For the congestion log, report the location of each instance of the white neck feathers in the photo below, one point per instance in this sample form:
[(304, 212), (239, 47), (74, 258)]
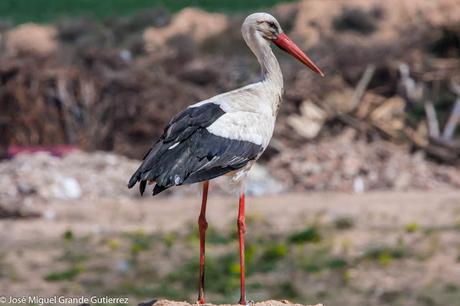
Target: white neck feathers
[(271, 71)]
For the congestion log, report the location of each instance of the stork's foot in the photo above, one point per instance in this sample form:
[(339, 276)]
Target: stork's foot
[(246, 303)]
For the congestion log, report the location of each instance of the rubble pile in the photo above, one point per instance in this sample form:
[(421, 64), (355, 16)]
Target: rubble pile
[(343, 163), (31, 38), (192, 22), (337, 164), (78, 175), (381, 22), (32, 178)]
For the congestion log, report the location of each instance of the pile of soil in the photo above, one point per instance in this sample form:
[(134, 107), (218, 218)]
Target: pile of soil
[(264, 303), (335, 164), (29, 179), (343, 163)]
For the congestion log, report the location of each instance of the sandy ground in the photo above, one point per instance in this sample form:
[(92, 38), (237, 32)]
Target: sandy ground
[(264, 303), (369, 210), (29, 245)]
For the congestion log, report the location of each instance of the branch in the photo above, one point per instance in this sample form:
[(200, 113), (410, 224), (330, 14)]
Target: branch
[(361, 87), (451, 124), (433, 124)]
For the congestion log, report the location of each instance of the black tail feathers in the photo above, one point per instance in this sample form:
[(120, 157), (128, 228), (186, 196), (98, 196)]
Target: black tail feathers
[(134, 179), (157, 189), (143, 184)]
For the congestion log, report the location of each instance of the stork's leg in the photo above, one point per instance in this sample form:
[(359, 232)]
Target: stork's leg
[(202, 226), (241, 231)]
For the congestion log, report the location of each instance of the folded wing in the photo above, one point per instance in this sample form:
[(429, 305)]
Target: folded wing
[(188, 153)]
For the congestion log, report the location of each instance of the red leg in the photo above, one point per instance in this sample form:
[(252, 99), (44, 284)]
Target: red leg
[(202, 226), (241, 231)]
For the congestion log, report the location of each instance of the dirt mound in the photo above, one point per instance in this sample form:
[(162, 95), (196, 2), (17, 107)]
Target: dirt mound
[(345, 163), (106, 102), (29, 180), (264, 303), (196, 24), (32, 39), (379, 21), (78, 175), (337, 164)]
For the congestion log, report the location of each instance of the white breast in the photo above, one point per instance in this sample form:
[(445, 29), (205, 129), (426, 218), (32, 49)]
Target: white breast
[(250, 113), (253, 127)]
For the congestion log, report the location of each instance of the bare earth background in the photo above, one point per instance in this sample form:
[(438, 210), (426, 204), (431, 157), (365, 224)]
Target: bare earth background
[(265, 303), (132, 247)]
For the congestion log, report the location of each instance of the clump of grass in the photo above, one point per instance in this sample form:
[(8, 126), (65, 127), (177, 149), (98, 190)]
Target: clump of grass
[(75, 249), (319, 259), (336, 263), (214, 236), (169, 239), (451, 287), (272, 254), (346, 276), (67, 274), (223, 270), (275, 252), (286, 290), (411, 227), (384, 255), (309, 235), (139, 242), (192, 235), (113, 244), (344, 223), (68, 235)]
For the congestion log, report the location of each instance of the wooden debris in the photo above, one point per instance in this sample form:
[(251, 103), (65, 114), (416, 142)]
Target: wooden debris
[(453, 121), (361, 87), (433, 124)]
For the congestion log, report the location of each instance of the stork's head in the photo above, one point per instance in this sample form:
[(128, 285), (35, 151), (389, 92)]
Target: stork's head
[(265, 26)]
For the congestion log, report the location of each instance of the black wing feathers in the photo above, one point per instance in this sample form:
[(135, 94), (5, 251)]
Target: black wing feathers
[(186, 122), (187, 153)]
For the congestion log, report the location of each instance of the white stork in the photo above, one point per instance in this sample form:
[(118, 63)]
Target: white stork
[(225, 134)]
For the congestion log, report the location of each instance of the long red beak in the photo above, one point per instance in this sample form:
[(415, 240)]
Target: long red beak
[(286, 44)]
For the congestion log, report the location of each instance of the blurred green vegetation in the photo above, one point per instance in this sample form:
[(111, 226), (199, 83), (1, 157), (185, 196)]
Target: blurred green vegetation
[(43, 11), (280, 265)]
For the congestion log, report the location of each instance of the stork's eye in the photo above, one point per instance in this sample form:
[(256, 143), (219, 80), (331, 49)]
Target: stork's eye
[(272, 25)]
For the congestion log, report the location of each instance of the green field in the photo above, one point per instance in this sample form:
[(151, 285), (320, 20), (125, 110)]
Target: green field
[(19, 11)]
